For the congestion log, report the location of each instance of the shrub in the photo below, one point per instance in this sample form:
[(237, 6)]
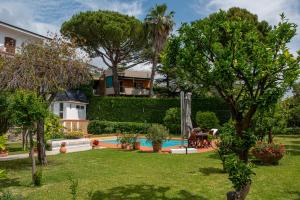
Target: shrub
[(3, 174), (106, 127), (3, 141), (226, 141), (268, 153), (53, 127), (74, 134), (207, 120), (172, 120), (38, 177), (291, 131), (240, 173), (157, 133)]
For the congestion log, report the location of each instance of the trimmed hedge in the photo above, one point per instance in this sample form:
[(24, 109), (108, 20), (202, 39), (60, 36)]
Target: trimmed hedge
[(150, 110), (104, 127)]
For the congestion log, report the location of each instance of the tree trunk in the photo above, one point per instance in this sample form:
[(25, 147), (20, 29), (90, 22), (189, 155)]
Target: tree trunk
[(23, 139), (270, 137), (31, 155), (116, 84), (154, 64), (241, 126), (41, 143)]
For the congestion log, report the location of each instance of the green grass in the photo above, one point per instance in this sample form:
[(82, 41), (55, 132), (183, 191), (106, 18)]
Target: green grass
[(118, 175), (15, 148)]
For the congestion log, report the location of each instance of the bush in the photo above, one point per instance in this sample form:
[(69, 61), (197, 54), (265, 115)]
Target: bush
[(106, 127), (172, 120), (240, 173), (290, 131), (3, 174), (150, 110), (207, 120), (38, 177), (53, 128), (268, 153), (3, 141), (157, 133), (74, 135)]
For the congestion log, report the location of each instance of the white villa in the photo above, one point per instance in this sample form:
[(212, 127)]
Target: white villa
[(70, 106), (12, 37)]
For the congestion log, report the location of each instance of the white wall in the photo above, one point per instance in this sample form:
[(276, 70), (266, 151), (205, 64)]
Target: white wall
[(20, 37), (71, 111)]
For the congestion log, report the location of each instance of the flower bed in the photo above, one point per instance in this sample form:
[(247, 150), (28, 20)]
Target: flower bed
[(268, 153)]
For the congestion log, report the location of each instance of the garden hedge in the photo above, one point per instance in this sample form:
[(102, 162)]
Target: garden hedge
[(150, 110), (107, 127)]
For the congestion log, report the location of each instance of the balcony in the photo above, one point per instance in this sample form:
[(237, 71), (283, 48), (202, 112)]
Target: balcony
[(129, 91)]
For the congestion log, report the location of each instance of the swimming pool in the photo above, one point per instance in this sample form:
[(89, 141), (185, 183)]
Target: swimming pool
[(145, 143)]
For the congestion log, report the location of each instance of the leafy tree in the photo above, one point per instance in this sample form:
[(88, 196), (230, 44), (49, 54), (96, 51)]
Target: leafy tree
[(245, 60), (46, 69), (158, 24), (28, 109), (116, 38)]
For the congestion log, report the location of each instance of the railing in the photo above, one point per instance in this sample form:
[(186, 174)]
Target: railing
[(76, 125)]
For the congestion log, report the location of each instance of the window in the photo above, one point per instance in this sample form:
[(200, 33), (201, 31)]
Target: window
[(61, 110), (10, 45), (109, 81), (139, 85), (78, 107)]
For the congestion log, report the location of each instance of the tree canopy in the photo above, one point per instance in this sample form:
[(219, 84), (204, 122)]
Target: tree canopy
[(116, 38), (245, 60)]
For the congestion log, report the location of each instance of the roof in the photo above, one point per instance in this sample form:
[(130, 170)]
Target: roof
[(71, 95), (131, 74), (23, 30)]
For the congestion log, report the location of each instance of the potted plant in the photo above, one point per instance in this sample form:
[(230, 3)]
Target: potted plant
[(134, 141), (63, 148), (157, 134), (240, 174), (3, 150), (95, 143), (268, 153), (123, 139)]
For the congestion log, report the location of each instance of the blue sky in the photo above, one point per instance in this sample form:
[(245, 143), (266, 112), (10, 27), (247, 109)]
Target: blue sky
[(43, 16)]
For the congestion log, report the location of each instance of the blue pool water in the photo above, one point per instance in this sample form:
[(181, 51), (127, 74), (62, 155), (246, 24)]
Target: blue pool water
[(145, 143)]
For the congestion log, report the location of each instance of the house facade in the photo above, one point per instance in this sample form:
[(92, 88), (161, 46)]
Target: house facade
[(71, 107), (12, 38), (132, 83)]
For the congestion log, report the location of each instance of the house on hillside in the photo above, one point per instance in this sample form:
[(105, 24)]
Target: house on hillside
[(132, 83), (71, 107), (12, 37)]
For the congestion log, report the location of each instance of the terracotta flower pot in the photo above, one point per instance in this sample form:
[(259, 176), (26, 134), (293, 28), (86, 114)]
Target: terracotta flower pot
[(63, 148), (124, 146), (156, 146), (3, 153), (137, 145)]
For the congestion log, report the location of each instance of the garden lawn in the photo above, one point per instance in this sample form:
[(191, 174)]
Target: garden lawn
[(116, 174)]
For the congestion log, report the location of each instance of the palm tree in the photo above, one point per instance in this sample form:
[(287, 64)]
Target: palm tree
[(158, 24)]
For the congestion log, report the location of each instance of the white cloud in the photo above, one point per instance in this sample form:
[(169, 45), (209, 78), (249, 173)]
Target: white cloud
[(133, 8), (268, 10)]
